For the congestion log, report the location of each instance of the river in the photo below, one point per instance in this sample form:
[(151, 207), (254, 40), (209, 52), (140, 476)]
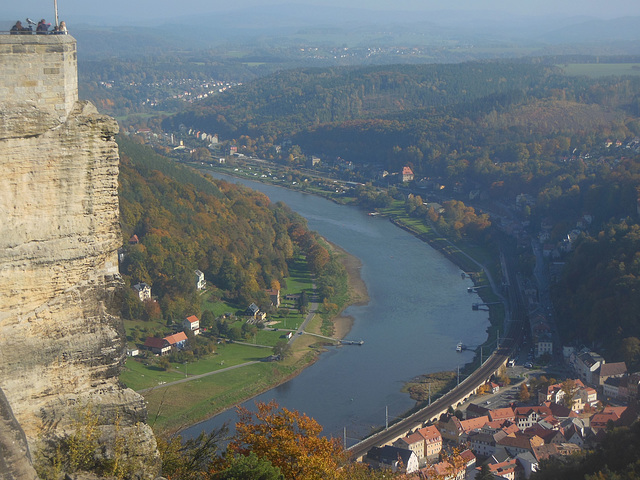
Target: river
[(419, 309)]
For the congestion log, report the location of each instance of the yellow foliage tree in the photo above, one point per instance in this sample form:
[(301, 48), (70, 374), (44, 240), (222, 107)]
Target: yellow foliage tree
[(290, 440)]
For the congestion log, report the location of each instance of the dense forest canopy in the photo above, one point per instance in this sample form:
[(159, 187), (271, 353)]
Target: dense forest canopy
[(291, 101)]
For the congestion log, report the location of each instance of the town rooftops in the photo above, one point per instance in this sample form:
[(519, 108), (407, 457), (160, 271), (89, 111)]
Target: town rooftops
[(540, 410)]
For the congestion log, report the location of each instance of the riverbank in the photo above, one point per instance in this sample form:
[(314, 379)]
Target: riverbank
[(357, 291)]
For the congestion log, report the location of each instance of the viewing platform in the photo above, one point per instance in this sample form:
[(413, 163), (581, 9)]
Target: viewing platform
[(39, 71)]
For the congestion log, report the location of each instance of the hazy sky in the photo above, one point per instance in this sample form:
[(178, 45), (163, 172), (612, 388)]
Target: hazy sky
[(157, 9)]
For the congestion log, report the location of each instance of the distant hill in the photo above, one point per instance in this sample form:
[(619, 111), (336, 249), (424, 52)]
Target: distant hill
[(594, 31), (480, 34), (290, 102)]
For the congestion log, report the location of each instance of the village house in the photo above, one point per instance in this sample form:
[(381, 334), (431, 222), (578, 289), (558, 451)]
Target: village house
[(586, 396), (506, 469), (559, 410), (413, 442), (274, 296), (407, 174), (177, 340), (426, 443), (201, 283), (398, 459), (519, 443), (468, 458), (585, 364), (618, 416), (158, 346), (529, 416), (191, 324), (507, 426), (484, 444), (502, 414), (253, 311), (609, 370), (432, 441), (457, 430), (143, 290), (528, 462)]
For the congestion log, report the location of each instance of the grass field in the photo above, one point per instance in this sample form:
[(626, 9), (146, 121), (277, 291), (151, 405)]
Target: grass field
[(139, 373), (595, 70)]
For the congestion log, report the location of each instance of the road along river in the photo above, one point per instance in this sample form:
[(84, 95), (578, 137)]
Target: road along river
[(419, 310)]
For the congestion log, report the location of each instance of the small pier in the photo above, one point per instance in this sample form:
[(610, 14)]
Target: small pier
[(476, 306), (475, 289), (352, 342)]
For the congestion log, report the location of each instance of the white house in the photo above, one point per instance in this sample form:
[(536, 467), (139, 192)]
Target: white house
[(144, 291), (201, 283), (398, 459), (192, 324)]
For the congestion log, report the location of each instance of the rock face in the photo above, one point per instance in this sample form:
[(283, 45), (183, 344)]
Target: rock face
[(61, 341)]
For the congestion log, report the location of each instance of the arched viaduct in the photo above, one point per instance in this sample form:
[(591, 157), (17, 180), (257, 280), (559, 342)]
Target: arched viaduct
[(432, 413)]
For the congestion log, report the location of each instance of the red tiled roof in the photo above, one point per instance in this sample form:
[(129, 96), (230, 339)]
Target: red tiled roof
[(467, 456), (192, 319), (504, 467), (473, 423), (501, 413), (412, 439), (430, 434), (175, 338)]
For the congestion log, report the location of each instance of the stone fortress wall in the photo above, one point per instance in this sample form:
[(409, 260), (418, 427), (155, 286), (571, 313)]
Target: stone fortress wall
[(61, 339), (40, 69)]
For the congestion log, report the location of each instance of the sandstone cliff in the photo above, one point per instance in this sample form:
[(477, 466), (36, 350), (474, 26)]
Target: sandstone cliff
[(61, 341)]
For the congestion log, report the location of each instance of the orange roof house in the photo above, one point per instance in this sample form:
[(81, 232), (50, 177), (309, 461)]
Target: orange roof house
[(407, 174)]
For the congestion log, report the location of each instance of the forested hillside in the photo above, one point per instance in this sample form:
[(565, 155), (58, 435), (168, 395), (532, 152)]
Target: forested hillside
[(184, 221), (291, 101), (499, 125)]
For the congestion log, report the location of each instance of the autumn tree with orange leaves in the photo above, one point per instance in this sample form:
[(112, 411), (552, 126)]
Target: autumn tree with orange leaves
[(291, 441)]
